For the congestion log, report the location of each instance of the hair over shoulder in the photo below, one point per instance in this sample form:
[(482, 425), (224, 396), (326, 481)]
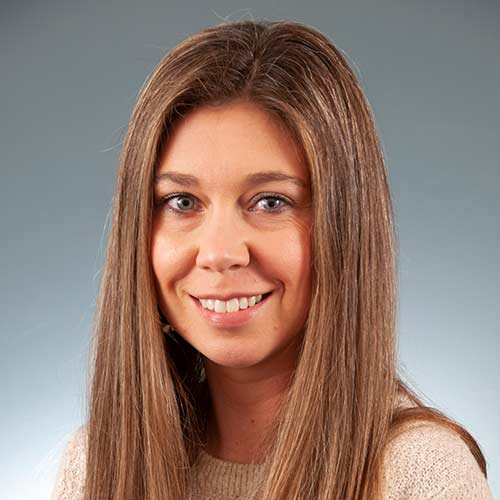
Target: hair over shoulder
[(147, 402)]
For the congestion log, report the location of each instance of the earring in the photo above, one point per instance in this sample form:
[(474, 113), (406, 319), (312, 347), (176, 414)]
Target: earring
[(165, 326), (168, 329), (170, 332)]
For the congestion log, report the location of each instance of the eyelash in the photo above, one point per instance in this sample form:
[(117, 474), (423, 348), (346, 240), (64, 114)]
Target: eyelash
[(164, 201)]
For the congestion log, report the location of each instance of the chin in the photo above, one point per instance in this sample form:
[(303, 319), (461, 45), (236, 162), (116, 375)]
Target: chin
[(234, 359)]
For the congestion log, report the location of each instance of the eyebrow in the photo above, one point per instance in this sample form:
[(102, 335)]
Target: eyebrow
[(250, 179)]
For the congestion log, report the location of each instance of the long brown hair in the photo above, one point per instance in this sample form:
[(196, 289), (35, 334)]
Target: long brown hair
[(147, 402)]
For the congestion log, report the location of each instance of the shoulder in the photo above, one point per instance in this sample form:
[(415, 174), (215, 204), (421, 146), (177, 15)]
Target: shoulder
[(70, 478), (430, 461)]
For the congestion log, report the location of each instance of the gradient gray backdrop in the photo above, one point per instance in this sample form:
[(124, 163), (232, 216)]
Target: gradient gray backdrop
[(70, 73)]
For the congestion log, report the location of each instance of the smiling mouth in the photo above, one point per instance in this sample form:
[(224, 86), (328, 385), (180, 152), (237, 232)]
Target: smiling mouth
[(264, 297), (232, 319)]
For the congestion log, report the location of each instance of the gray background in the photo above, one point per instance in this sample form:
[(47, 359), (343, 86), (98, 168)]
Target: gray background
[(70, 73)]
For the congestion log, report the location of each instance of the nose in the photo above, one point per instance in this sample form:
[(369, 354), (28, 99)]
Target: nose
[(222, 244)]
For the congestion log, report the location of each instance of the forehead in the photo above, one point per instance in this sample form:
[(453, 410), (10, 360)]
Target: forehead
[(231, 142)]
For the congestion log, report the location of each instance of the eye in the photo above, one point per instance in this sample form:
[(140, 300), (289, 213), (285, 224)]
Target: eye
[(275, 203), (184, 203)]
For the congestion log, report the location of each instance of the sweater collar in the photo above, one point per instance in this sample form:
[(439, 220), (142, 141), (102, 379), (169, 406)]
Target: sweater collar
[(222, 478)]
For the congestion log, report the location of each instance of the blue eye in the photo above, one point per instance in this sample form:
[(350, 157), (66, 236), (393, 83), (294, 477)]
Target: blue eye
[(278, 203), (183, 203), (180, 205)]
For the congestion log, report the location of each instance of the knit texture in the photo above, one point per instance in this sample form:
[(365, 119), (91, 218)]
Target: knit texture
[(424, 462), (215, 479)]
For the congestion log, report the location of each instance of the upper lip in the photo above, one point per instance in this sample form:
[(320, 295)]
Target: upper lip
[(227, 296)]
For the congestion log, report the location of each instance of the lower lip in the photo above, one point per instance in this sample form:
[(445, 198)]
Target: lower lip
[(232, 319)]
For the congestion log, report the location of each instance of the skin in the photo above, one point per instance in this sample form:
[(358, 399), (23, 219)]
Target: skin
[(228, 238)]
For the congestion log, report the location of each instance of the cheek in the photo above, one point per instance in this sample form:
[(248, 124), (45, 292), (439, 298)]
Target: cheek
[(297, 262), (165, 256), (159, 256), (168, 262), (296, 252), (288, 253)]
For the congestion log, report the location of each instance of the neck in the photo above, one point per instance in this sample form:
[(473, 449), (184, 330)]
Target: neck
[(244, 403)]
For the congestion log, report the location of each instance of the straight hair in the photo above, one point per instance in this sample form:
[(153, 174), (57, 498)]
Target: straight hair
[(147, 399)]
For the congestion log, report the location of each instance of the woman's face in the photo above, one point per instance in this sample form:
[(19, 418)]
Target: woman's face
[(225, 228)]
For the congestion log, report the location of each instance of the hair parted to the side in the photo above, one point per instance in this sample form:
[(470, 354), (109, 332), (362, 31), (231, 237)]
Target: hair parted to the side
[(147, 404)]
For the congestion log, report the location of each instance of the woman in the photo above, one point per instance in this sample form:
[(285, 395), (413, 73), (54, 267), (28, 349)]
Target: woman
[(245, 330)]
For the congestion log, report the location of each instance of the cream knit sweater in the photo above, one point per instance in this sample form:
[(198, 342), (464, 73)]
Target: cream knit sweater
[(423, 463)]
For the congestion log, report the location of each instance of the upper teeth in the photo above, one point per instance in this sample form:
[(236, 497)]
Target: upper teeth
[(233, 305)]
